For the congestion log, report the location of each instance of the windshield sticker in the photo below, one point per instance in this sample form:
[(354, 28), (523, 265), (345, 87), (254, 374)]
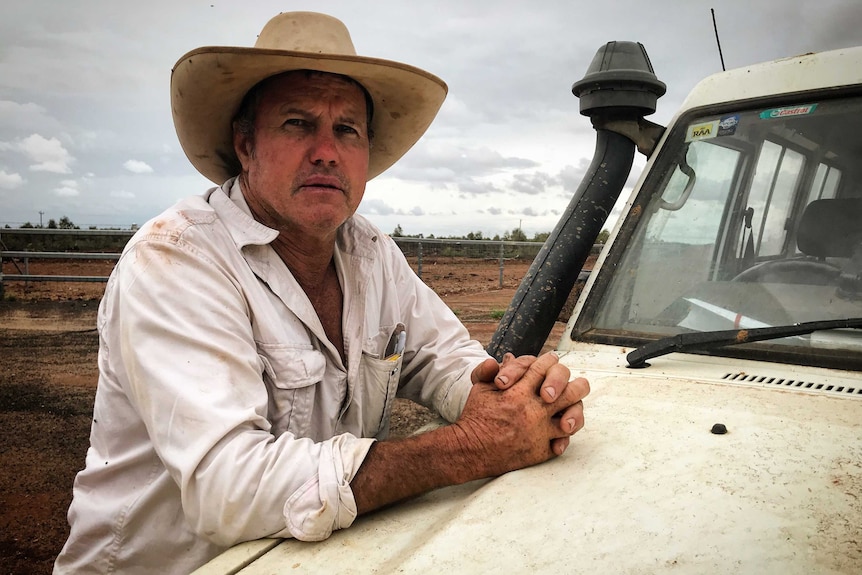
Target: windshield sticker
[(702, 131), (727, 125), (787, 112)]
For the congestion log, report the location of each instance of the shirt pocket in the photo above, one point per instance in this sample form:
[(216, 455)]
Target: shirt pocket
[(379, 385), (291, 376)]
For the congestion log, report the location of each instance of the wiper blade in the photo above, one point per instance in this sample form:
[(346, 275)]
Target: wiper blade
[(699, 340)]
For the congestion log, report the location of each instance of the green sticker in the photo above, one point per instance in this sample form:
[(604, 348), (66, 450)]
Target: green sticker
[(788, 112)]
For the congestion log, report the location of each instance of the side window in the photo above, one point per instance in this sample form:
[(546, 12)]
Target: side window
[(772, 192), (825, 184)]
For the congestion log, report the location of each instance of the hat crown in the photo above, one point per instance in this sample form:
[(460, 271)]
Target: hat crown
[(306, 32)]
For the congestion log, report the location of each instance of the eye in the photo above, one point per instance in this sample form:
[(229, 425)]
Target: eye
[(346, 129), (295, 122)]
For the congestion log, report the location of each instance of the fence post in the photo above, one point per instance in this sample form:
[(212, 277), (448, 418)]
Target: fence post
[(419, 258), (501, 265), (2, 247)]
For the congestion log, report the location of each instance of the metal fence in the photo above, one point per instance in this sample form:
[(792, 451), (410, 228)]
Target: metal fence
[(39, 243)]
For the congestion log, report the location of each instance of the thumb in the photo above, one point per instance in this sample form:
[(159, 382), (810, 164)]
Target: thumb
[(485, 371)]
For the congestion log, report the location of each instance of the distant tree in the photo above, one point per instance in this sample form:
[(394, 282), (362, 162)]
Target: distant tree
[(603, 236), (541, 236), (475, 236), (27, 225), (398, 232), (496, 237), (7, 226), (52, 225), (67, 224), (430, 236), (516, 235)]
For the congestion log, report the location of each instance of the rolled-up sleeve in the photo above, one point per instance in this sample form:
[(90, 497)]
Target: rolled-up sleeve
[(325, 502)]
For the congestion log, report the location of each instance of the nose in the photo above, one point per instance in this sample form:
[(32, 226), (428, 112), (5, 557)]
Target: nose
[(324, 149)]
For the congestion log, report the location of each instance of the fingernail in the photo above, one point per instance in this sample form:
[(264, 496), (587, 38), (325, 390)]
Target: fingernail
[(502, 380), (549, 391), (571, 424)]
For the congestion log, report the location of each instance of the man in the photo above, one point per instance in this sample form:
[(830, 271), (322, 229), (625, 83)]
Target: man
[(252, 339)]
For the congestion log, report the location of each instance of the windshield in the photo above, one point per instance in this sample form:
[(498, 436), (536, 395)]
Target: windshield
[(750, 218)]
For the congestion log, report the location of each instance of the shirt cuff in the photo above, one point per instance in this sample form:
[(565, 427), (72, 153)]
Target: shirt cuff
[(325, 502), (456, 396)]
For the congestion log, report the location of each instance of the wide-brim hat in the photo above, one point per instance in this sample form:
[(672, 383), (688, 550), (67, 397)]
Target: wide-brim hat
[(209, 83)]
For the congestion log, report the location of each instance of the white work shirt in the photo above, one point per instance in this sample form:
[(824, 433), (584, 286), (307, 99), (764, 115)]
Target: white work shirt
[(223, 413)]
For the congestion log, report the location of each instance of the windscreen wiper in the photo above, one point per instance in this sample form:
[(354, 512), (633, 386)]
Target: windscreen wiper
[(701, 340)]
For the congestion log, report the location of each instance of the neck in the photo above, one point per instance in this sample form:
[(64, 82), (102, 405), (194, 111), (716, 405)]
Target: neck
[(310, 261)]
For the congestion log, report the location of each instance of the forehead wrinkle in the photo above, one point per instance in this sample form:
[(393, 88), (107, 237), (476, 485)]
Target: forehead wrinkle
[(305, 99)]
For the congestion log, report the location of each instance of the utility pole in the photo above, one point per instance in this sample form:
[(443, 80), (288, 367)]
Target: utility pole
[(40, 218)]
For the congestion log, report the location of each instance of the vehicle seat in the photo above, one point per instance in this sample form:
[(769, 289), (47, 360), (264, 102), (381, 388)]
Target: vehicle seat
[(830, 228)]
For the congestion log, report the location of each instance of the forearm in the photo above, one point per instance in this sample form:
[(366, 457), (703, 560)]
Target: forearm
[(498, 431), (396, 470)]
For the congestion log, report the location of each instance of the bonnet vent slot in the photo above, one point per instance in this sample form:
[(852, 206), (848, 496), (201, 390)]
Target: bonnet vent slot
[(795, 384)]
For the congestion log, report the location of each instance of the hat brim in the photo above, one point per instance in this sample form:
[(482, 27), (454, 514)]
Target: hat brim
[(208, 85)]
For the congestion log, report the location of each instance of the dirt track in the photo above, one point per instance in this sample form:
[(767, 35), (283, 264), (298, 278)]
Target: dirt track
[(48, 373)]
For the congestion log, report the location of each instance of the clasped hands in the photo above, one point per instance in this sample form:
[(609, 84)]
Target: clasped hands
[(522, 411)]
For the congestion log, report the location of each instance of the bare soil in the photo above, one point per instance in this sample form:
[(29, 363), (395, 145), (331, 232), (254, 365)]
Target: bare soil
[(48, 374)]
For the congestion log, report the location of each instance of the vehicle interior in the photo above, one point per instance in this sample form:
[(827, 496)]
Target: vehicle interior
[(750, 218)]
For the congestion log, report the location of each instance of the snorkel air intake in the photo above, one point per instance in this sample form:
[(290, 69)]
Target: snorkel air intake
[(618, 90)]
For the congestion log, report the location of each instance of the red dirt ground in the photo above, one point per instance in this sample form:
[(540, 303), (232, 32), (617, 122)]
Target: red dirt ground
[(48, 374)]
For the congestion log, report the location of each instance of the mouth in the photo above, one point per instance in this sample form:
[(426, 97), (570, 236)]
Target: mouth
[(322, 183)]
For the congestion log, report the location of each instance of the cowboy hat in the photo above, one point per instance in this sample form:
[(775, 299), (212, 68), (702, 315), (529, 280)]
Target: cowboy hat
[(209, 83)]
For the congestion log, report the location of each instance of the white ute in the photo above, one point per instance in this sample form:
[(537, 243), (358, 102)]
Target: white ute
[(733, 446)]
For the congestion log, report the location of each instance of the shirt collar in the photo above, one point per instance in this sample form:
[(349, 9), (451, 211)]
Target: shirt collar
[(232, 209)]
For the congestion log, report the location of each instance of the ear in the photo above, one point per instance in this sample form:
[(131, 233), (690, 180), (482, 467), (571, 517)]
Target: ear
[(243, 147)]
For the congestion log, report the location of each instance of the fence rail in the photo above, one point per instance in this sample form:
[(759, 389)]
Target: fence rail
[(415, 249)]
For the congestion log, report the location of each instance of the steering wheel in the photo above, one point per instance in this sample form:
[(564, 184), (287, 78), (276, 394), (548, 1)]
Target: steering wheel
[(808, 272)]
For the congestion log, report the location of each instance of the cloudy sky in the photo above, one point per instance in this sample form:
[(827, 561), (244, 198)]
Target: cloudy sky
[(86, 130)]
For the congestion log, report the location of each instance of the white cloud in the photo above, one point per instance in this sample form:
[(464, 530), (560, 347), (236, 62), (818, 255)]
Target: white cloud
[(26, 118), (10, 181), (375, 206), (122, 195), (138, 167), (47, 155), (67, 191)]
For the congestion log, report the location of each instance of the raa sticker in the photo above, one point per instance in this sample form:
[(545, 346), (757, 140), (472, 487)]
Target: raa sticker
[(702, 131)]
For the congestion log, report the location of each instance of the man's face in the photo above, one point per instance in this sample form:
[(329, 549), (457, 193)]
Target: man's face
[(306, 166)]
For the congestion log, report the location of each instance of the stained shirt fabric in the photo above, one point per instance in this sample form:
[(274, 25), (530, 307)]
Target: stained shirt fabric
[(223, 413)]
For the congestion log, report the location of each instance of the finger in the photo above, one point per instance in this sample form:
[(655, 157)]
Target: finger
[(572, 419), (485, 371), (559, 445), (575, 390), (512, 369), (537, 370), (555, 382)]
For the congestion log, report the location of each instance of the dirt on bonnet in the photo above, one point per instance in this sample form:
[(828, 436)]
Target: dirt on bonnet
[(48, 373)]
